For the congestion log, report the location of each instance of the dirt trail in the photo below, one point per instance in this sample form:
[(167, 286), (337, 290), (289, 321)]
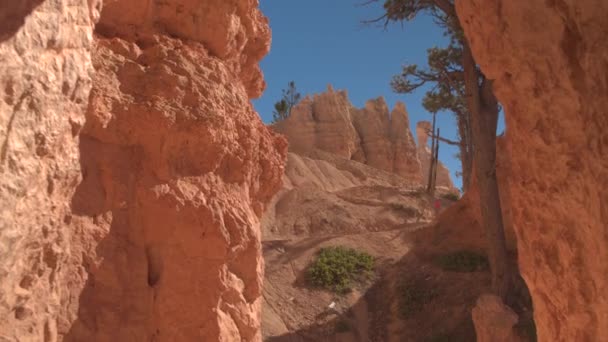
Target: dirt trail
[(291, 306), (327, 201)]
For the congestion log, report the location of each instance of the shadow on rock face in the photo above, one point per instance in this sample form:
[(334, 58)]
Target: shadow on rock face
[(13, 14), (121, 271)]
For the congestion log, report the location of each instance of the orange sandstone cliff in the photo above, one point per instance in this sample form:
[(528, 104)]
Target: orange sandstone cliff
[(548, 60), (371, 135), (134, 171)]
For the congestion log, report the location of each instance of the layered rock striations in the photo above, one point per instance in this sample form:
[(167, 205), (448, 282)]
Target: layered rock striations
[(371, 135), (548, 61), (424, 155), (133, 214), (324, 194)]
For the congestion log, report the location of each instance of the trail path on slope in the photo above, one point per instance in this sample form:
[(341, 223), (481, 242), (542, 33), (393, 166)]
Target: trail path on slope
[(291, 305)]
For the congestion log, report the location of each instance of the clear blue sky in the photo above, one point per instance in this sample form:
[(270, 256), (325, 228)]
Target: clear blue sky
[(321, 42)]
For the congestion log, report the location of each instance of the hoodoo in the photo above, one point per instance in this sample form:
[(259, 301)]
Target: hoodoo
[(134, 171)]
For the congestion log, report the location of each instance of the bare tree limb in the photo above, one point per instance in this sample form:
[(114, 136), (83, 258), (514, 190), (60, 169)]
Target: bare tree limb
[(445, 140)]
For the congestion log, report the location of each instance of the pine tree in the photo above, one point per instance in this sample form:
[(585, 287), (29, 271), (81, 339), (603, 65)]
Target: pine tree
[(482, 105), (282, 108)]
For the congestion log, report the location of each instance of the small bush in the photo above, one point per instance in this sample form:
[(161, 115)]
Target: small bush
[(463, 261), (342, 326), (336, 268), (413, 296), (440, 338), (451, 196), (449, 337)]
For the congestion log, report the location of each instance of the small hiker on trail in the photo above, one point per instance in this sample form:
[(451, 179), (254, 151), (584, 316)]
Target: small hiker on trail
[(437, 206)]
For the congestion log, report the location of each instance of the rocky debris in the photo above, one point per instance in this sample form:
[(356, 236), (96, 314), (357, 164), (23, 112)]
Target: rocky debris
[(494, 321), (160, 239), (369, 135), (548, 61), (444, 181)]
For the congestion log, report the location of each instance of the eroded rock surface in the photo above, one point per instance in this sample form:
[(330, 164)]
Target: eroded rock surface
[(160, 240), (45, 78), (324, 194), (371, 135), (549, 61), (494, 321)]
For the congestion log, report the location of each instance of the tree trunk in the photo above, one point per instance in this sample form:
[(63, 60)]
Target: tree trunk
[(435, 162), (429, 181), (470, 147), (465, 149), (483, 108)]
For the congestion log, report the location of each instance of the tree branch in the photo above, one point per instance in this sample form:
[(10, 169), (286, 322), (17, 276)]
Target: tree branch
[(446, 7), (447, 141)]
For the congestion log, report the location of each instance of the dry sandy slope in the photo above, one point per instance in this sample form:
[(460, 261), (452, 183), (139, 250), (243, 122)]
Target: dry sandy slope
[(325, 194), (329, 201)]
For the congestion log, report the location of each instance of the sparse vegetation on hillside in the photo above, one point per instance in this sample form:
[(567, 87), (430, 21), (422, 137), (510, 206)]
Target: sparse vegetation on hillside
[(338, 268), (451, 196), (342, 326), (463, 261), (441, 338), (413, 296)]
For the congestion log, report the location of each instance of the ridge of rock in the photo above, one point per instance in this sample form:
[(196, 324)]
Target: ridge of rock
[(371, 135)]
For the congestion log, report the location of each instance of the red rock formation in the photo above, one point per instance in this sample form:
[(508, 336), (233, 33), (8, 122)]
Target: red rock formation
[(549, 60), (160, 240), (45, 78), (424, 155), (494, 321), (370, 135)]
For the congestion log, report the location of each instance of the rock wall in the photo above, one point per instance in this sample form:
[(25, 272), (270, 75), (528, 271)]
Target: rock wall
[(370, 135), (13, 14), (549, 60), (45, 79), (134, 214), (424, 155), (494, 321)]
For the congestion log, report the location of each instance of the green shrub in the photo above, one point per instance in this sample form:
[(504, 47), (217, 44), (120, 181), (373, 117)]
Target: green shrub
[(342, 326), (440, 338), (413, 296), (447, 338), (451, 196), (336, 268), (463, 261)]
